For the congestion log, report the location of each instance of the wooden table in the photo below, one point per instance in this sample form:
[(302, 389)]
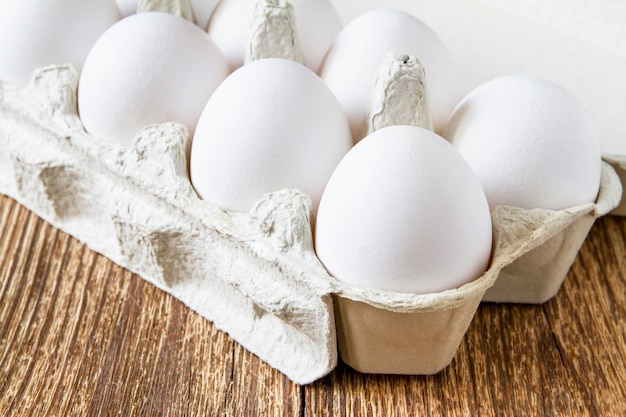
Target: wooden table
[(82, 336)]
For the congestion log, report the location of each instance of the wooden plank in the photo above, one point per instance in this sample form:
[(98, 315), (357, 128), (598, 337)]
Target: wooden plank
[(82, 336), (588, 320), (259, 390)]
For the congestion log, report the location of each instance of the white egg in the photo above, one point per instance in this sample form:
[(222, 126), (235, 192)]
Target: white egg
[(37, 33), (271, 125), (404, 212), (352, 63), (148, 68), (530, 142), (317, 23)]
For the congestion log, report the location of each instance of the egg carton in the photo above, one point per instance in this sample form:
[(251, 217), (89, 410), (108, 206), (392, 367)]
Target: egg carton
[(255, 275)]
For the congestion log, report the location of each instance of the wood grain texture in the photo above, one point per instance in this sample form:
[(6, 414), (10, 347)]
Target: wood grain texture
[(82, 336)]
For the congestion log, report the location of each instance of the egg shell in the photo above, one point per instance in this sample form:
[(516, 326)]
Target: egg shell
[(530, 142), (148, 68), (352, 63), (37, 33), (317, 24), (404, 212), (271, 124)]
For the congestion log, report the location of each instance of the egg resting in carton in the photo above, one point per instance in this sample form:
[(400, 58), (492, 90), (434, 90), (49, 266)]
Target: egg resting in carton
[(382, 332), (254, 275)]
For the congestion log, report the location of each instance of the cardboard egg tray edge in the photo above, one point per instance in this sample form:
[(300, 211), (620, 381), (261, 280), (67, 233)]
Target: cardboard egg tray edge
[(618, 162), (254, 275)]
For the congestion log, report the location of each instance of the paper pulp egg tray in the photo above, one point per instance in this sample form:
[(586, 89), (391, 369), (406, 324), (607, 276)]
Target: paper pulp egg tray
[(255, 275)]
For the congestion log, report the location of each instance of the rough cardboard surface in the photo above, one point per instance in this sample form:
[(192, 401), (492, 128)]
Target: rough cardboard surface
[(376, 340), (399, 95), (255, 275), (618, 162), (182, 8), (385, 332), (273, 32)]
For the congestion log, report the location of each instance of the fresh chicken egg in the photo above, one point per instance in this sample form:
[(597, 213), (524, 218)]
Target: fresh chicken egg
[(352, 63), (404, 212), (272, 124), (531, 143), (148, 68), (37, 33)]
